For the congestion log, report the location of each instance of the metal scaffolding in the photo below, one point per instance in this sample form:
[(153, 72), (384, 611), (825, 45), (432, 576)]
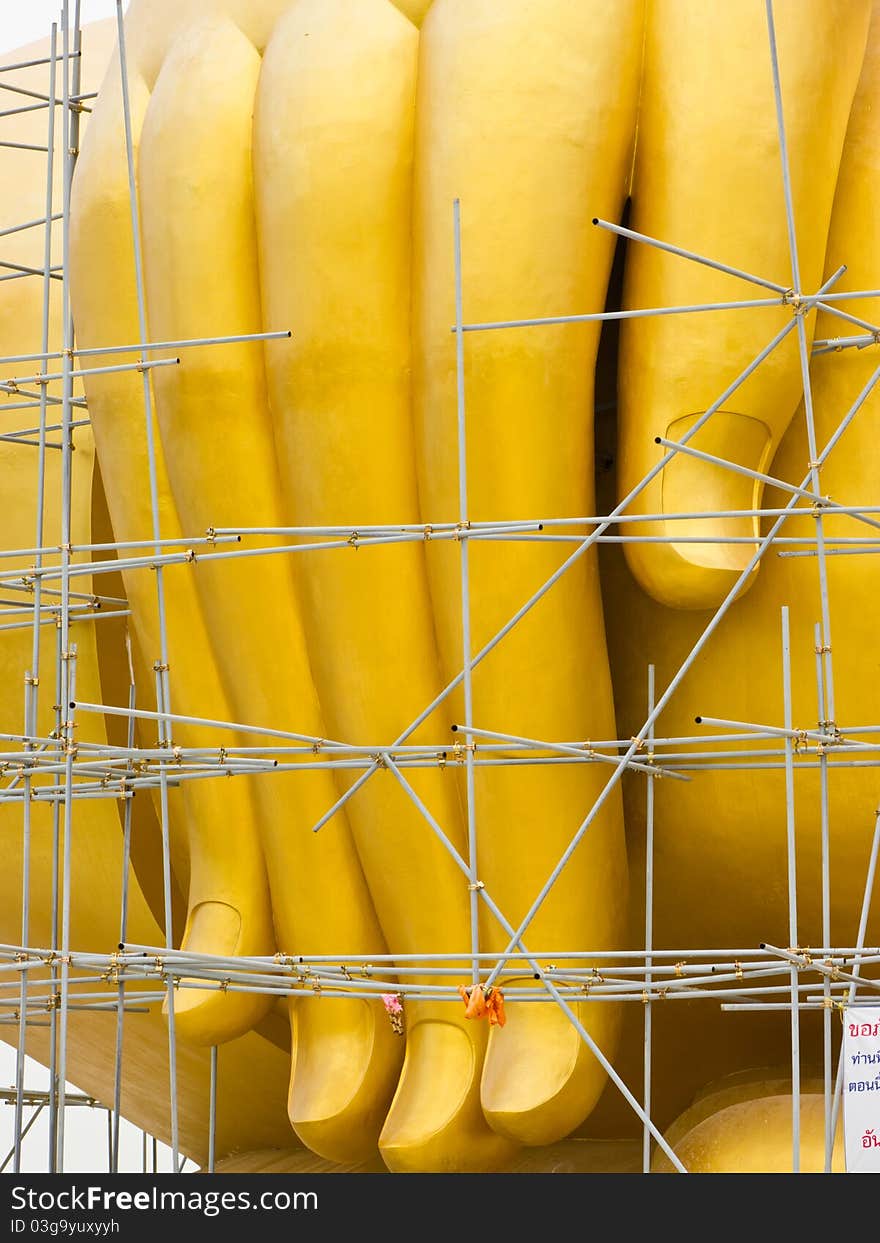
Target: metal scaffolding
[(46, 983)]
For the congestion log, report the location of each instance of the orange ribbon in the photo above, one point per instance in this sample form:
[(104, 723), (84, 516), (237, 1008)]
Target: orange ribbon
[(495, 1008), (477, 1005), (474, 1002)]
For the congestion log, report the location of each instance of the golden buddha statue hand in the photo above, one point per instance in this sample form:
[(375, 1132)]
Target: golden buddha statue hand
[(296, 163)]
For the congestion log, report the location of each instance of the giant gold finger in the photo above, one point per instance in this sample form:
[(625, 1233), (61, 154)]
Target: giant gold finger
[(200, 250), (153, 25), (528, 116), (699, 185), (720, 872), (335, 224), (96, 855), (228, 909)]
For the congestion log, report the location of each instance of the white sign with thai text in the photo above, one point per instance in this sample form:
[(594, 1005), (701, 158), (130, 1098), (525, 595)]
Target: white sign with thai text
[(861, 1088)]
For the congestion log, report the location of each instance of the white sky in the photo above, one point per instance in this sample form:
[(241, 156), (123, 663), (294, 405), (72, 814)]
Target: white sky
[(21, 22), (85, 1132)]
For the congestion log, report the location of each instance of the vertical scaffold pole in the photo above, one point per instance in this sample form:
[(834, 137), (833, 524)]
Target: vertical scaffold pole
[(473, 880), (649, 931), (791, 854), (71, 82), (162, 665), (827, 1078), (212, 1112), (32, 677), (123, 923)]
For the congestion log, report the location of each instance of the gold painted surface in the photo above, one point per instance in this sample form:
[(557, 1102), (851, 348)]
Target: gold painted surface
[(296, 166)]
